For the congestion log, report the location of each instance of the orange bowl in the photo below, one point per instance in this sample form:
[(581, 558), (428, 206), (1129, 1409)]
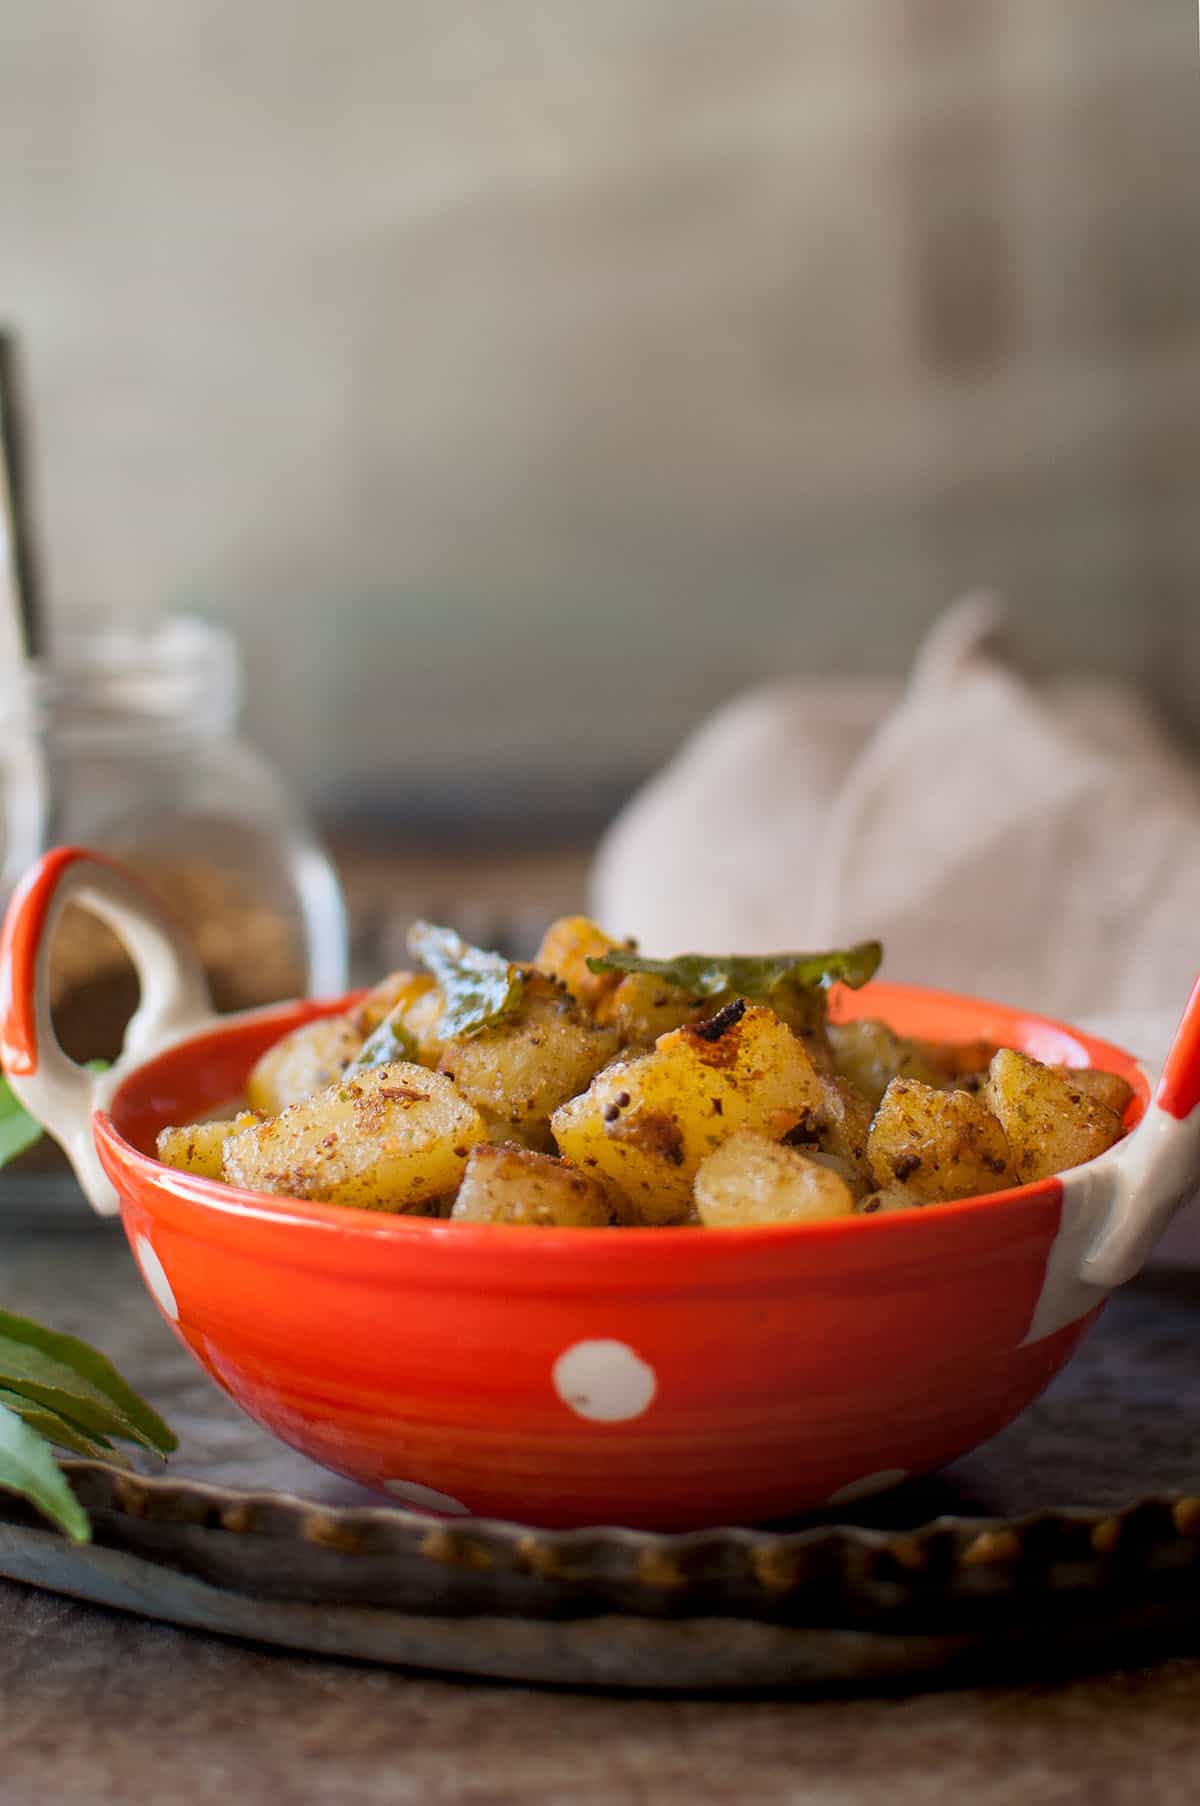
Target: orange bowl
[(665, 1378), (660, 1377)]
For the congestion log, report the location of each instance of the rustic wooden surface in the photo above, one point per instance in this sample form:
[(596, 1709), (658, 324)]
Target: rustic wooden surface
[(99, 1708)]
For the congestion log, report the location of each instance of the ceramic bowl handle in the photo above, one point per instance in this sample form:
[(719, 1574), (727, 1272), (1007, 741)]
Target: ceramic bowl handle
[(1150, 1174), (174, 998)]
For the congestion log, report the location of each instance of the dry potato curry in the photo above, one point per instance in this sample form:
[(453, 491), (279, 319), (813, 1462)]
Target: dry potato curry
[(594, 1087)]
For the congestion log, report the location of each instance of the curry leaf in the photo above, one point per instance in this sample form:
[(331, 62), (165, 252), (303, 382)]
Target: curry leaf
[(757, 977), (77, 1382), (54, 1427), (388, 1042), (18, 1130), (480, 988), (27, 1467)]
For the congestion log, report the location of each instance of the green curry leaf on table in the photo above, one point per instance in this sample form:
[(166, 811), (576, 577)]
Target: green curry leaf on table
[(56, 1390)]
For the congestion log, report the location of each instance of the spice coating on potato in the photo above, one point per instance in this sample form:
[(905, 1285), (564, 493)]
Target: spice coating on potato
[(1106, 1087), (385, 1140), (752, 1179), (643, 1007), (306, 1061), (517, 1073), (410, 994), (200, 1146), (645, 1124), (512, 1185), (1051, 1121), (566, 947), (940, 1144)]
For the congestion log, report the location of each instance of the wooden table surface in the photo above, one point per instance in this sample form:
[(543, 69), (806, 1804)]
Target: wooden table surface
[(101, 1708)]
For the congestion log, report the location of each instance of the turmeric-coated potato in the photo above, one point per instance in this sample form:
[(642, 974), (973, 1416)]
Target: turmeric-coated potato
[(566, 947), (518, 1072), (645, 1124), (644, 1006), (413, 1001), (387, 1139), (1106, 1087), (303, 1062), (513, 1185), (752, 1179), (199, 1147), (940, 1144), (1050, 1120)]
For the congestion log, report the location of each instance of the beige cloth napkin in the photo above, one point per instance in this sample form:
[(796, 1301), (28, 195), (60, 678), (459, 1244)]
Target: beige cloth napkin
[(1039, 845)]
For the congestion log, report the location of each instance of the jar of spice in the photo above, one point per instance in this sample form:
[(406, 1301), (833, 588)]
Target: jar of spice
[(130, 745)]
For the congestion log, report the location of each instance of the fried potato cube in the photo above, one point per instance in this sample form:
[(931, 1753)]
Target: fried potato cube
[(940, 1144), (388, 1139), (892, 1197), (414, 1002), (512, 1185), (517, 1073), (752, 1179), (199, 1147), (566, 947), (1050, 1120), (645, 1124), (301, 1063), (1106, 1087), (837, 1128), (643, 1007), (870, 1054)]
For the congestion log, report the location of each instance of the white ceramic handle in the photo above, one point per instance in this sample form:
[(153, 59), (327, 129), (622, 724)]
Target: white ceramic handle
[(1115, 1208), (174, 998), (1156, 1169)]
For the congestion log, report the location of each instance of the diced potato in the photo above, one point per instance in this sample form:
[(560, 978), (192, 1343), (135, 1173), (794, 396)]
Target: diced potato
[(517, 1073), (844, 1122), (566, 947), (512, 1185), (956, 1065), (870, 1054), (805, 1009), (752, 1179), (836, 1128), (645, 1124), (299, 1064), (1050, 1120), (199, 1147), (892, 1197), (643, 1007), (389, 1139), (417, 999), (940, 1144), (1106, 1087)]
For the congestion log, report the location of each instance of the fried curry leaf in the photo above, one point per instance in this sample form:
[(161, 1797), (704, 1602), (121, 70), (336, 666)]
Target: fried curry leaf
[(480, 988), (755, 976), (386, 1044)]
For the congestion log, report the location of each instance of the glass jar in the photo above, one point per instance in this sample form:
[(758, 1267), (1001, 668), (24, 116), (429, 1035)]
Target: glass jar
[(129, 745)]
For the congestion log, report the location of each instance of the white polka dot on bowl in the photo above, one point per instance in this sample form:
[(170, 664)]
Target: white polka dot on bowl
[(604, 1380), (427, 1498), (154, 1273), (870, 1483)]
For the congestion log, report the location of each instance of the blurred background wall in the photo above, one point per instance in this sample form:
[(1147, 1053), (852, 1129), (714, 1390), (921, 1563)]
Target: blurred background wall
[(521, 378)]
